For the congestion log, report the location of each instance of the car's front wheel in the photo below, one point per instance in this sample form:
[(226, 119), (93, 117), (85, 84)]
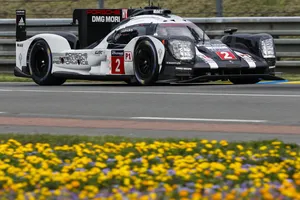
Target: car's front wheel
[(146, 67), (40, 64), (244, 80)]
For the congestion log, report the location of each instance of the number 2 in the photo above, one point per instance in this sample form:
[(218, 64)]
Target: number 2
[(118, 62), (226, 55), (117, 65)]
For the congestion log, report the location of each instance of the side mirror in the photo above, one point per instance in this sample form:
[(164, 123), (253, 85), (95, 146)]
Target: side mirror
[(230, 30)]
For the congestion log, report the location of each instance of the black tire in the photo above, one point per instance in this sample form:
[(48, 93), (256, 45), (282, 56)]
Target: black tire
[(146, 68), (132, 82), (40, 64), (240, 81)]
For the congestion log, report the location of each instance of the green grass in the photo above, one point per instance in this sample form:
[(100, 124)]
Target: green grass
[(60, 140), (12, 78), (291, 77), (188, 8)]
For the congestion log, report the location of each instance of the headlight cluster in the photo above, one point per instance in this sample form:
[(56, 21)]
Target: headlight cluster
[(267, 48), (182, 50)]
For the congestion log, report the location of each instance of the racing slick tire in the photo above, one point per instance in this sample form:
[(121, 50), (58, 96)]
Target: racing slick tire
[(40, 64), (146, 67), (132, 81), (239, 81)]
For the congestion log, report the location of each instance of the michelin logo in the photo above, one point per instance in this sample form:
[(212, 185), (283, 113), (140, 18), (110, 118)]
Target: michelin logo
[(106, 18)]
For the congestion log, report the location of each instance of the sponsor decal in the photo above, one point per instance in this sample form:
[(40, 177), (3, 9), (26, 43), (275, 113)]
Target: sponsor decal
[(160, 53), (72, 59), (20, 12), (103, 12), (217, 47), (157, 11), (173, 63), (19, 45), (98, 52), (117, 53), (226, 55), (183, 68), (127, 30), (128, 56), (124, 13), (106, 19), (20, 59), (21, 22)]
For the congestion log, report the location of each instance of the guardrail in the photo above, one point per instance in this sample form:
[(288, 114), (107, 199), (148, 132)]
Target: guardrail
[(285, 30)]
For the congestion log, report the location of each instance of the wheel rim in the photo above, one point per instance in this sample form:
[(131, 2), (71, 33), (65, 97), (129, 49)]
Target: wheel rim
[(40, 62), (144, 62)]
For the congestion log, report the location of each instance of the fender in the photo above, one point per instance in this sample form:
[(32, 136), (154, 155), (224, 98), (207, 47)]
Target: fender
[(249, 41), (56, 43), (160, 50)]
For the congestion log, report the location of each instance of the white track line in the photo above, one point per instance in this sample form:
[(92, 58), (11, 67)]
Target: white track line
[(3, 113), (201, 119), (154, 93)]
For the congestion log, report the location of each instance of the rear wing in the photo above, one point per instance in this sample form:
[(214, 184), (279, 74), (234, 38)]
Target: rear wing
[(93, 24)]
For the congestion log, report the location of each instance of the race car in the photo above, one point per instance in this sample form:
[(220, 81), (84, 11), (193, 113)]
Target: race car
[(141, 46)]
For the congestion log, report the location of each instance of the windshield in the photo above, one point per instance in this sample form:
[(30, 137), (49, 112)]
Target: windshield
[(180, 29)]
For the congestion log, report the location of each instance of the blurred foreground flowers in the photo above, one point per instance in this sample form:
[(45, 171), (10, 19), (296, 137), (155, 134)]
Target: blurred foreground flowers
[(155, 170)]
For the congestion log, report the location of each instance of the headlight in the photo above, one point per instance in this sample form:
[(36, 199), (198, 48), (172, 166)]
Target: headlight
[(267, 48), (182, 50)]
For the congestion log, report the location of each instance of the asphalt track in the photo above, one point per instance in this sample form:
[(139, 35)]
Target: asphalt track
[(210, 111)]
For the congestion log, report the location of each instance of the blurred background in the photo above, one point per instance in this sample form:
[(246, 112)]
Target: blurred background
[(185, 8)]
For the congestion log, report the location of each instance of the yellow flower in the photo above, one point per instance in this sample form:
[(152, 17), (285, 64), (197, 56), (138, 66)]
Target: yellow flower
[(203, 150), (144, 197), (183, 193), (224, 143), (240, 147), (204, 141), (69, 186), (217, 196), (217, 174), (282, 176), (230, 196), (75, 184), (57, 192), (100, 165), (196, 196), (127, 181), (232, 177)]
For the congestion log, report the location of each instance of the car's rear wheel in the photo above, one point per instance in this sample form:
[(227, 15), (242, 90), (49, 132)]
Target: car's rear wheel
[(146, 68), (40, 64), (244, 80)]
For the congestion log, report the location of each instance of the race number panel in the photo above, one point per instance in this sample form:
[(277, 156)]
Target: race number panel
[(128, 56), (226, 55), (117, 62)]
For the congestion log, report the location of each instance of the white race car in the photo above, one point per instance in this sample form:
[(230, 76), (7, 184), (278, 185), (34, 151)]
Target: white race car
[(141, 46)]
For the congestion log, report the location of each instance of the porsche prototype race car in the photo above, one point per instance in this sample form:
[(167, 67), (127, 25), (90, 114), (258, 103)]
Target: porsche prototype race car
[(141, 46)]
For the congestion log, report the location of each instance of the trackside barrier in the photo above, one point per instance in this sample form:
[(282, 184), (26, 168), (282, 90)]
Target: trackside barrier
[(285, 30)]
